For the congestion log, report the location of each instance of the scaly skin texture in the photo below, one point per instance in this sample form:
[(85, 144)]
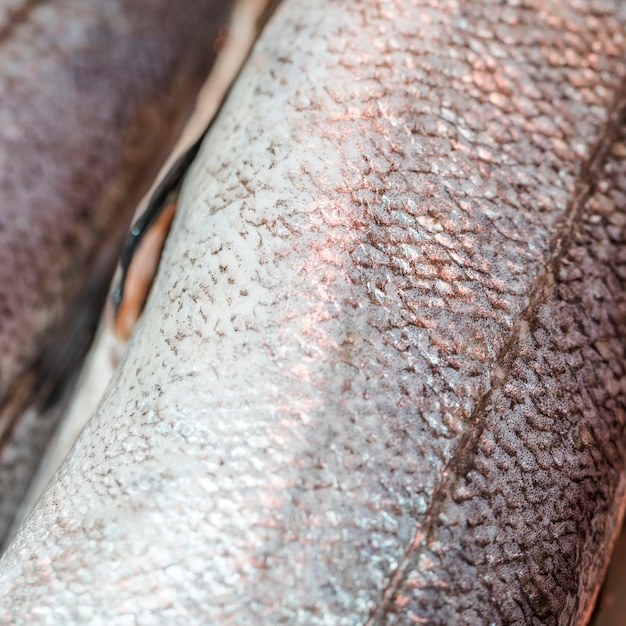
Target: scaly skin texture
[(380, 376), (93, 94)]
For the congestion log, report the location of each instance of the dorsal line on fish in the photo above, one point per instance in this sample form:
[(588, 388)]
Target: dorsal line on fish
[(461, 461)]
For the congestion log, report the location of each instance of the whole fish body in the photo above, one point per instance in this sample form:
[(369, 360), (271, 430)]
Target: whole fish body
[(380, 379), (92, 96)]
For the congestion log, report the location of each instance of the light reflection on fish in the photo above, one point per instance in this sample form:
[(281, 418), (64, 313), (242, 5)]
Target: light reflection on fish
[(380, 379)]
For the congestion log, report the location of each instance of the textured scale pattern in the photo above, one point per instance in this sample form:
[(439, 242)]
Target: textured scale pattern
[(550, 446), (92, 95), (382, 342)]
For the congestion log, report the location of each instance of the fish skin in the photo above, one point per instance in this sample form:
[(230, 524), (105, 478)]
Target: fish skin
[(92, 96), (380, 378), (93, 93)]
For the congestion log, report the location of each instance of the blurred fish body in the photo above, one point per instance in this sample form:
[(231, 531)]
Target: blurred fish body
[(380, 379), (92, 96)]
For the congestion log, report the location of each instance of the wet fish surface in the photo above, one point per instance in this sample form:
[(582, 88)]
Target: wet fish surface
[(380, 379), (92, 96)]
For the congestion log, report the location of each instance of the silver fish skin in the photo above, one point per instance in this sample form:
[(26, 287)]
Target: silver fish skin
[(92, 96), (380, 378)]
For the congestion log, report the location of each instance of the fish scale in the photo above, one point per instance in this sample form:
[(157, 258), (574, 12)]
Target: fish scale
[(379, 378), (92, 97)]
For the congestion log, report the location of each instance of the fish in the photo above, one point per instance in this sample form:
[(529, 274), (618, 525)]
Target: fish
[(249, 18), (93, 96), (380, 375)]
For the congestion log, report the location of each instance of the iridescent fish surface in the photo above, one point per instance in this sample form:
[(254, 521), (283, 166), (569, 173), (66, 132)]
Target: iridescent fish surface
[(380, 377)]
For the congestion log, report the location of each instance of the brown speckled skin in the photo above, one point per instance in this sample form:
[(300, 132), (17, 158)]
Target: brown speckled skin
[(92, 95), (380, 378)]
